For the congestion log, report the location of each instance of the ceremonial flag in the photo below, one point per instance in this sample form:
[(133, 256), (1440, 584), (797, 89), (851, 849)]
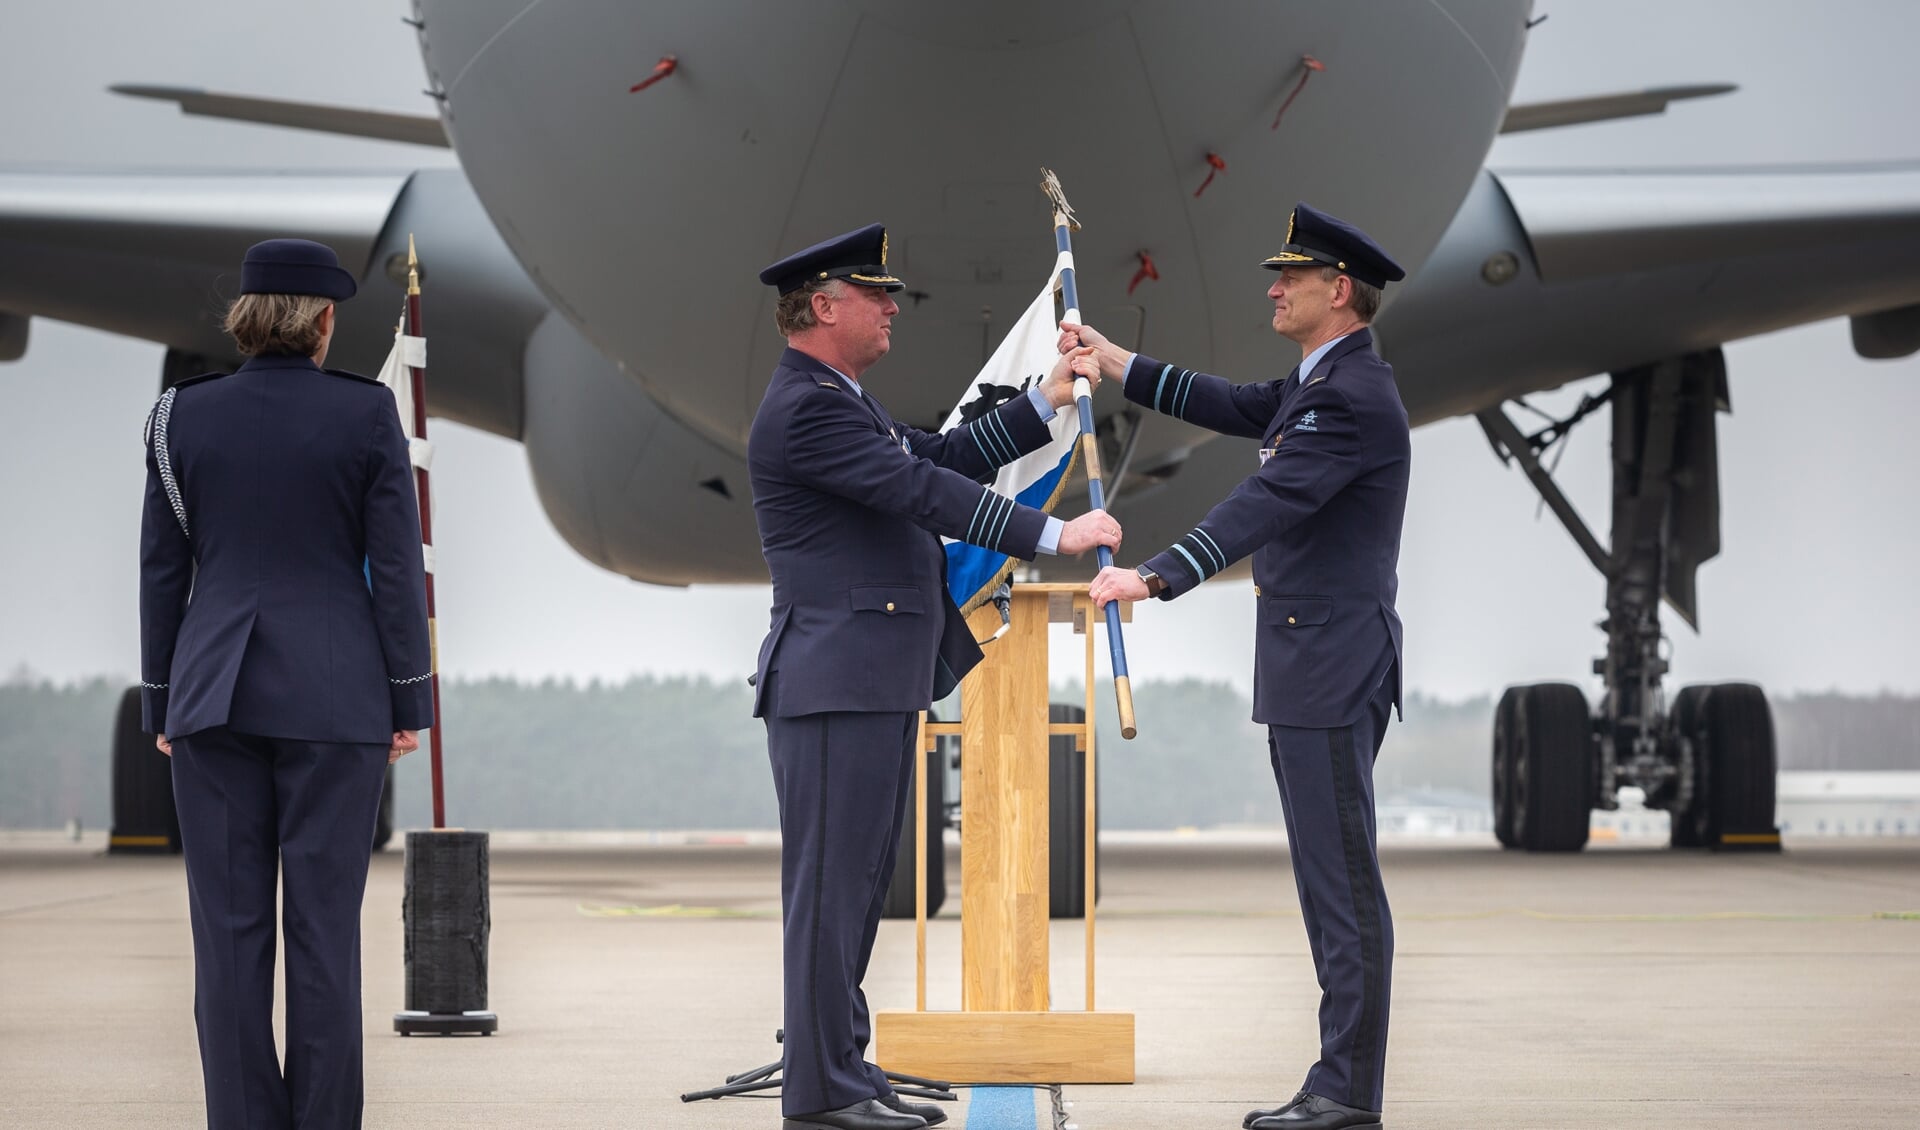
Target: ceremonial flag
[(405, 373), (397, 373), (1025, 356)]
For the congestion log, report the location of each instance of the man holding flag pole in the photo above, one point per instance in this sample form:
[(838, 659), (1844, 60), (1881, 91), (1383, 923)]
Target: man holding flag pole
[(1321, 513), (864, 633)]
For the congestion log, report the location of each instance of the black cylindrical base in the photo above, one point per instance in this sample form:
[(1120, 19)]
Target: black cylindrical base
[(446, 923), (443, 1024), (144, 819)]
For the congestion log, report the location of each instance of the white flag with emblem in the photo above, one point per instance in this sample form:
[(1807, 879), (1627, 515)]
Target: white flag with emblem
[(395, 375), (409, 353), (1036, 479)]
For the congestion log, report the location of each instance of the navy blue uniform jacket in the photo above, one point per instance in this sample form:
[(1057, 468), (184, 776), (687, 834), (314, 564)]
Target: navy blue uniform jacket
[(286, 596), (851, 506), (1321, 516)]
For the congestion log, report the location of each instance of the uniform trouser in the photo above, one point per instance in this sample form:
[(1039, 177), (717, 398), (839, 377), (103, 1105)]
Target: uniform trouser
[(842, 782), (1326, 791), (255, 811)]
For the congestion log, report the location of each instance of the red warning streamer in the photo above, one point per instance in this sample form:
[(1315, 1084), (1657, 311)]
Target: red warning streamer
[(666, 66), (1147, 271), (1219, 164), (1309, 66)]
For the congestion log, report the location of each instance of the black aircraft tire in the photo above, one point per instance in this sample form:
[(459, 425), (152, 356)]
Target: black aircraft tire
[(383, 823), (1690, 824), (1553, 790), (144, 818), (1067, 820), (899, 900), (1741, 761), (1503, 768)]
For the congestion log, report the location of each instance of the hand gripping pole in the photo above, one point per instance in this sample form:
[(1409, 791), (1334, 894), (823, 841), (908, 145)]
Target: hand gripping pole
[(1063, 225)]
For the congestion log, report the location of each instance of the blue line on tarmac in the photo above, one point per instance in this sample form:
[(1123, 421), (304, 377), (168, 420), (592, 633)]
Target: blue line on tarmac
[(1001, 1108)]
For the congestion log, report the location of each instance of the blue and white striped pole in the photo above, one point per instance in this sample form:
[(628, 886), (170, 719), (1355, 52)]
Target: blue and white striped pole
[(1089, 445)]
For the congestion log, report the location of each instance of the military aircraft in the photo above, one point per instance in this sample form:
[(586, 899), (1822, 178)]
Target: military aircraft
[(622, 169)]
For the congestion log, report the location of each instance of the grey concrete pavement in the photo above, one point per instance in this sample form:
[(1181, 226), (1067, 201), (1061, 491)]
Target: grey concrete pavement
[(1626, 986)]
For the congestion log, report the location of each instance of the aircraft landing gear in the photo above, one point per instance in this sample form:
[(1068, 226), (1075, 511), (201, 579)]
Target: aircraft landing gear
[(1709, 759)]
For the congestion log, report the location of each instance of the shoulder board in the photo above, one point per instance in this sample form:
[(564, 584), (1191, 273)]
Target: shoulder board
[(350, 376), (201, 379)]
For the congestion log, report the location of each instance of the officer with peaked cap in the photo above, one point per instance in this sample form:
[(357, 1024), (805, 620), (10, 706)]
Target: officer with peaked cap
[(1321, 514), (285, 664), (851, 505)]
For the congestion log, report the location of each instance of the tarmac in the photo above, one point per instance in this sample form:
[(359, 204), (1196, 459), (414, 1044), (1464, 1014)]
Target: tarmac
[(1625, 986)]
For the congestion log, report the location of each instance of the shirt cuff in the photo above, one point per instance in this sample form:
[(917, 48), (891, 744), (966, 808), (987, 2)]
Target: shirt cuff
[(1046, 410), (1050, 535)]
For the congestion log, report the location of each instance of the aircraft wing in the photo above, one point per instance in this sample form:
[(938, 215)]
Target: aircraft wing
[(381, 125), (1523, 116), (156, 256), (1550, 276)]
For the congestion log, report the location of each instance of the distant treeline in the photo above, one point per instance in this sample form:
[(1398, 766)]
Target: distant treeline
[(686, 753)]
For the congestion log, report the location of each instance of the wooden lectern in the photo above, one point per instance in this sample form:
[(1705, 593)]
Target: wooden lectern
[(1005, 1031)]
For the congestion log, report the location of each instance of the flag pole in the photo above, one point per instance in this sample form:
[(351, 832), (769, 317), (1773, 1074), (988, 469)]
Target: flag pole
[(1063, 225), (419, 375)]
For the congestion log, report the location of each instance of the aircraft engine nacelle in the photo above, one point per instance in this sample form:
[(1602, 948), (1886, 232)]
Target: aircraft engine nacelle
[(629, 487)]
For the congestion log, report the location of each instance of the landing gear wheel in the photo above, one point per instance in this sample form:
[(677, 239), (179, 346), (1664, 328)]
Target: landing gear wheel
[(1554, 767), (144, 818), (383, 821), (1503, 768), (1690, 824), (1067, 820), (899, 900), (1734, 769)]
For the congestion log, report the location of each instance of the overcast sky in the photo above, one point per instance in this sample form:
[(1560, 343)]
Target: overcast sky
[(1813, 590)]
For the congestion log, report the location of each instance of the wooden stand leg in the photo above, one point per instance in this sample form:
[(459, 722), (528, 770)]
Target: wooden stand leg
[(1004, 1032)]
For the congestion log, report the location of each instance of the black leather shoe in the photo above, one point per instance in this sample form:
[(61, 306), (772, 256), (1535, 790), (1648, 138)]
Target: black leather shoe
[(933, 1114), (1253, 1115), (867, 1114), (1317, 1112)]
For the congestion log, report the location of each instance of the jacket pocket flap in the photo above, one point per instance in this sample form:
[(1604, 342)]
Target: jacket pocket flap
[(893, 600), (1296, 611)]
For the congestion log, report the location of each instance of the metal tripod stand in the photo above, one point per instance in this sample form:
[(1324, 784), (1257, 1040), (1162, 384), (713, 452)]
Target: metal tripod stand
[(768, 1076)]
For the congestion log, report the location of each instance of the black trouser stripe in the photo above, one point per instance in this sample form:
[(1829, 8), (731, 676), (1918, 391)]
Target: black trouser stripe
[(819, 884), (1366, 912)]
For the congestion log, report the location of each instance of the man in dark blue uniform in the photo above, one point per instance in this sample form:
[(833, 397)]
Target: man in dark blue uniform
[(1321, 514), (864, 636), (285, 663)]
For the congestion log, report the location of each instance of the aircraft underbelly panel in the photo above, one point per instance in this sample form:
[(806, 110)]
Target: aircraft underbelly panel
[(644, 215)]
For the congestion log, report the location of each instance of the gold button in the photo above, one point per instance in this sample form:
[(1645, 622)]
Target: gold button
[(889, 606), (1291, 620)]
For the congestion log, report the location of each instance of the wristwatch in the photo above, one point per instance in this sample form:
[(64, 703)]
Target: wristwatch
[(1155, 585)]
